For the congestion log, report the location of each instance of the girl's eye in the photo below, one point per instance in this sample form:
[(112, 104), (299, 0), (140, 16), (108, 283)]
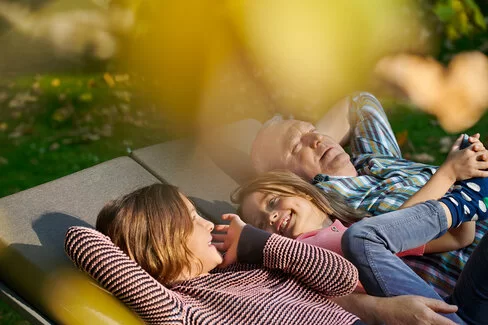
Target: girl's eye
[(273, 201)]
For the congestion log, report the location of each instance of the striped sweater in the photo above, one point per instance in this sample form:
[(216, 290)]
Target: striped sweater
[(287, 282)]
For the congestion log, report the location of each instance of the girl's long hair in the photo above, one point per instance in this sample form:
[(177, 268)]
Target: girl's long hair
[(285, 183), (151, 225)]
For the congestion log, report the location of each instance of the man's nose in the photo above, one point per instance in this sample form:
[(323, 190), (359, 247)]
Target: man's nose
[(312, 139)]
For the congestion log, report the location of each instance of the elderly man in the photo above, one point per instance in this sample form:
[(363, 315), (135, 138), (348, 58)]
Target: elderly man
[(375, 177)]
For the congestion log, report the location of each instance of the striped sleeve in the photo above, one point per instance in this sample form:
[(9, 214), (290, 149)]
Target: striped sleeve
[(322, 270), (95, 254), (371, 130)]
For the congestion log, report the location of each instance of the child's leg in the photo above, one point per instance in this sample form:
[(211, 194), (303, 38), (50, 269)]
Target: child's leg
[(371, 243), (471, 291), (468, 200)]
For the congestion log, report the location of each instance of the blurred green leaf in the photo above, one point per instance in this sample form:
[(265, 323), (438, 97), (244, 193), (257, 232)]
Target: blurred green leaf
[(444, 12)]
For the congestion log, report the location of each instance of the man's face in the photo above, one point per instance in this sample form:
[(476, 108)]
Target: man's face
[(296, 146)]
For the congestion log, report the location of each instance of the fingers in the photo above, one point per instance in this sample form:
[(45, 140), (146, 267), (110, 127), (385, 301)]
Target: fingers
[(220, 247), (440, 306), (230, 216), (482, 156), (441, 320), (476, 137), (481, 162), (219, 237), (221, 228), (481, 173), (457, 143)]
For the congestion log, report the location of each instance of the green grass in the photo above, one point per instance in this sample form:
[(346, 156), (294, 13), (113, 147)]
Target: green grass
[(50, 131), (8, 316)]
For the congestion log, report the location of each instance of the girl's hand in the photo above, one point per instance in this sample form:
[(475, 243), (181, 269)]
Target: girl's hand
[(228, 238), (473, 142), (466, 163)]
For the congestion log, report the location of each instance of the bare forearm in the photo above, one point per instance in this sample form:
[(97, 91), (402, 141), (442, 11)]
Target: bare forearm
[(434, 189), (335, 123), (362, 305), (456, 238)]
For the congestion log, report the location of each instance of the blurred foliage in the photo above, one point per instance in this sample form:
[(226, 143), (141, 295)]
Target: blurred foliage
[(460, 18), (460, 25), (52, 125)]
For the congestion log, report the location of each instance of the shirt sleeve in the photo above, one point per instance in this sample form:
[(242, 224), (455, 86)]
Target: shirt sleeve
[(371, 130), (324, 271)]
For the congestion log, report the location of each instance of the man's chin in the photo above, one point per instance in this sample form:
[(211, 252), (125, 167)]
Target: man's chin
[(340, 166)]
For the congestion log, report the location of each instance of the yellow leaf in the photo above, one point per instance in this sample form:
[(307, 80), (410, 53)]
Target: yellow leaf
[(55, 82), (90, 83), (86, 97), (3, 126), (122, 77), (402, 137), (109, 79)]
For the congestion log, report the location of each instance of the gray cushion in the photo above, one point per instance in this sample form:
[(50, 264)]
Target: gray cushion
[(206, 170), (32, 228)]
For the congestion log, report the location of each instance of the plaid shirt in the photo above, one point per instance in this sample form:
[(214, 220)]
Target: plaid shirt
[(385, 181)]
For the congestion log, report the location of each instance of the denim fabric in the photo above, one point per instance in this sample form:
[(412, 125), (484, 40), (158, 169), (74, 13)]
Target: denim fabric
[(371, 243)]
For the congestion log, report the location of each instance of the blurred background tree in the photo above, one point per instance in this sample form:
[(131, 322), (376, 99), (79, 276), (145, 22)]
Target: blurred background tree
[(459, 24)]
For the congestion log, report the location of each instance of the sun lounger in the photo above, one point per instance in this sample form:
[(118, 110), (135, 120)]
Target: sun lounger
[(39, 280)]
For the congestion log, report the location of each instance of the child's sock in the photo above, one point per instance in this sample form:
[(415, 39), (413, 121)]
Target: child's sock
[(468, 201)]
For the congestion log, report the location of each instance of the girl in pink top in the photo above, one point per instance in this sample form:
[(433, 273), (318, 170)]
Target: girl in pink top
[(283, 203)]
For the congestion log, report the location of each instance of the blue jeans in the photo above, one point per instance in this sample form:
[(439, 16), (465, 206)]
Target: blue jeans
[(371, 243)]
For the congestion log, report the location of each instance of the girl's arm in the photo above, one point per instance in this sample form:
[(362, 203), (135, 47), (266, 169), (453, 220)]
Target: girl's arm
[(459, 165), (317, 268), (454, 239), (95, 254)]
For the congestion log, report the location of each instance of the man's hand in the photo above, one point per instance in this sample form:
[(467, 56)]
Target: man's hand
[(410, 310), (228, 238)]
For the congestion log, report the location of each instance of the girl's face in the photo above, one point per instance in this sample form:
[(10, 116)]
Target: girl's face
[(200, 243), (289, 216)]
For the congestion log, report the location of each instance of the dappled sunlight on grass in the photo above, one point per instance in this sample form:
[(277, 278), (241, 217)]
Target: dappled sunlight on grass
[(51, 126)]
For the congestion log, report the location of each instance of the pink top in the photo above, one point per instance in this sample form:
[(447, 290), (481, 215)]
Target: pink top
[(330, 238)]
